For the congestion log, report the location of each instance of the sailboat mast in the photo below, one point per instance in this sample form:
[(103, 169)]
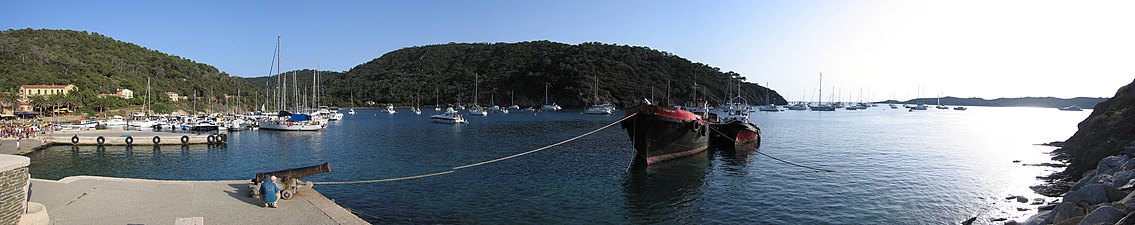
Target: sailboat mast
[(148, 97), (821, 101)]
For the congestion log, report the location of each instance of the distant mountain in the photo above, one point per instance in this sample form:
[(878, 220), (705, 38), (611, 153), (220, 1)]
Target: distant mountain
[(626, 75), (1045, 102)]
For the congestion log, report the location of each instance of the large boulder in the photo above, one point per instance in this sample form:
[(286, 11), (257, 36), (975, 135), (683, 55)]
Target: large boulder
[(1044, 217), (1093, 194), (1066, 210), (1103, 215)]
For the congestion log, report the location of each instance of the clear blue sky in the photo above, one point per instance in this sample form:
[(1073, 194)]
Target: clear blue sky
[(891, 48)]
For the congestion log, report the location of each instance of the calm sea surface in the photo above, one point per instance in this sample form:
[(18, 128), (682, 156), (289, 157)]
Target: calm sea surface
[(891, 166)]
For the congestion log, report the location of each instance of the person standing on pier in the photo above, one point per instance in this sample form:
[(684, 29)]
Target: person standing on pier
[(270, 192)]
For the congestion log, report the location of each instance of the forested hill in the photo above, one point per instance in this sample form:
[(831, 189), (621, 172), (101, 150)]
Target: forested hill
[(100, 64), (1048, 102), (625, 74)]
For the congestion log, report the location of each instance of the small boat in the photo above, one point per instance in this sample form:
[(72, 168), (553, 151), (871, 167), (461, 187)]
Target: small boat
[(416, 110), (942, 107), (449, 116), (514, 107), (286, 121), (735, 130), (798, 106), (599, 110), (1071, 108), (351, 111), (769, 108), (661, 133), (390, 109), (820, 106), (113, 122), (893, 106), (477, 110), (919, 107), (553, 106), (960, 108)]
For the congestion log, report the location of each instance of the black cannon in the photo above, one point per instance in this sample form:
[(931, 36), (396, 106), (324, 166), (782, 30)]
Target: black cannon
[(290, 179)]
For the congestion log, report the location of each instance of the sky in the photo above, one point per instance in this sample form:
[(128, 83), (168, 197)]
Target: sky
[(882, 49)]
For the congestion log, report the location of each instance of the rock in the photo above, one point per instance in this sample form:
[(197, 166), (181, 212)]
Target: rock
[(1047, 207), (1066, 210), (1122, 178), (998, 219), (1022, 199), (1103, 215), (1044, 217), (1016, 161), (1012, 222), (1071, 221), (1094, 194), (1127, 220), (1022, 209), (969, 221), (1129, 201)]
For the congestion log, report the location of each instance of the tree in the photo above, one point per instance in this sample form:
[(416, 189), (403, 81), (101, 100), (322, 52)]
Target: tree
[(38, 102)]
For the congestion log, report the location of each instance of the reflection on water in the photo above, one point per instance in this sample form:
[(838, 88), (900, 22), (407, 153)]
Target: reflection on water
[(667, 192)]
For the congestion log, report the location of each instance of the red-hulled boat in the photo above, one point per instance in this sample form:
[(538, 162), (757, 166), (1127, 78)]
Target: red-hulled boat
[(662, 133), (735, 131)]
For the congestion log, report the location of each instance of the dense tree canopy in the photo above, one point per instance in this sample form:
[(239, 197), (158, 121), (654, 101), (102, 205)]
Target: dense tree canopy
[(626, 75), (100, 64)]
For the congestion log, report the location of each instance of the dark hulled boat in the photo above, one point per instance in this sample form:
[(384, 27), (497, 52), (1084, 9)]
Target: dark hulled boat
[(732, 130), (662, 133)]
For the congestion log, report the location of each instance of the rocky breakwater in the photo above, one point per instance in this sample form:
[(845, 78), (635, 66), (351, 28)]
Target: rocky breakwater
[(1098, 186)]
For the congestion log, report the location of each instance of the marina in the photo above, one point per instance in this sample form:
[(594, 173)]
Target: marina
[(592, 171)]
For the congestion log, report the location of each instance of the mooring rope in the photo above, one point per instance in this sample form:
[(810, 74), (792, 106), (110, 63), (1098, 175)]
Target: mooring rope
[(454, 169), (778, 159)]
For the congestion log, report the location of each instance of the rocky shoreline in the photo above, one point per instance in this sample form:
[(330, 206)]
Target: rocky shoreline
[(1098, 184)]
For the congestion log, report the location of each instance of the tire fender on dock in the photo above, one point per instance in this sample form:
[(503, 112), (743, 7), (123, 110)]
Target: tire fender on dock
[(210, 139), (75, 139), (184, 139), (100, 140), (129, 140), (157, 140)]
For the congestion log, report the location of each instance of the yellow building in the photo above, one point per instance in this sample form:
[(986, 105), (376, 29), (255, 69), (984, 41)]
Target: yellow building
[(35, 89)]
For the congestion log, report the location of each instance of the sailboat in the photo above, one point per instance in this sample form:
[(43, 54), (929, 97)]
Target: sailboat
[(940, 106), (476, 109), (553, 106), (415, 108), (765, 108), (437, 100), (513, 101), (287, 121), (599, 109), (820, 104), (351, 111)]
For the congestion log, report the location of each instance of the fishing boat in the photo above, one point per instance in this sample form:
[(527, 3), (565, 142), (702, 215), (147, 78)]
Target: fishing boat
[(286, 121), (661, 133), (734, 130), (449, 116)]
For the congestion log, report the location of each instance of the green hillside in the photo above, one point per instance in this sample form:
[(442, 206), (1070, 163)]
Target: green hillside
[(100, 64), (626, 74)]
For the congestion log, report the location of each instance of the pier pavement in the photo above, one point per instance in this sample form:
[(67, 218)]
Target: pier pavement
[(107, 200)]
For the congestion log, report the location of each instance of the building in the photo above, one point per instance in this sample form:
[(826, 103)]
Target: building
[(121, 93), (28, 91), (172, 96)]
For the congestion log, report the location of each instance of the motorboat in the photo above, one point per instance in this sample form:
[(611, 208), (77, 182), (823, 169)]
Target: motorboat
[(390, 109), (449, 116), (960, 108)]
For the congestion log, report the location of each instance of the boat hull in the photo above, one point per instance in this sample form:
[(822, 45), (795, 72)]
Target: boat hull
[(663, 133), (289, 126), (735, 135)]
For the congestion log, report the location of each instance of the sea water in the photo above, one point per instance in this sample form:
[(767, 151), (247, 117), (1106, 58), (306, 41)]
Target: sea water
[(889, 166)]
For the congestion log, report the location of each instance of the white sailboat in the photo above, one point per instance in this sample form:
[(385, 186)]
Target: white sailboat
[(284, 120), (553, 106), (820, 104), (476, 109), (599, 109)]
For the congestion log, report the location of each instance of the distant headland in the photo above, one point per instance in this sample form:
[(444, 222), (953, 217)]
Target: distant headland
[(1043, 102)]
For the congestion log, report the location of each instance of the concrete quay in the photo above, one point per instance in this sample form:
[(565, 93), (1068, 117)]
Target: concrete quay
[(106, 200)]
